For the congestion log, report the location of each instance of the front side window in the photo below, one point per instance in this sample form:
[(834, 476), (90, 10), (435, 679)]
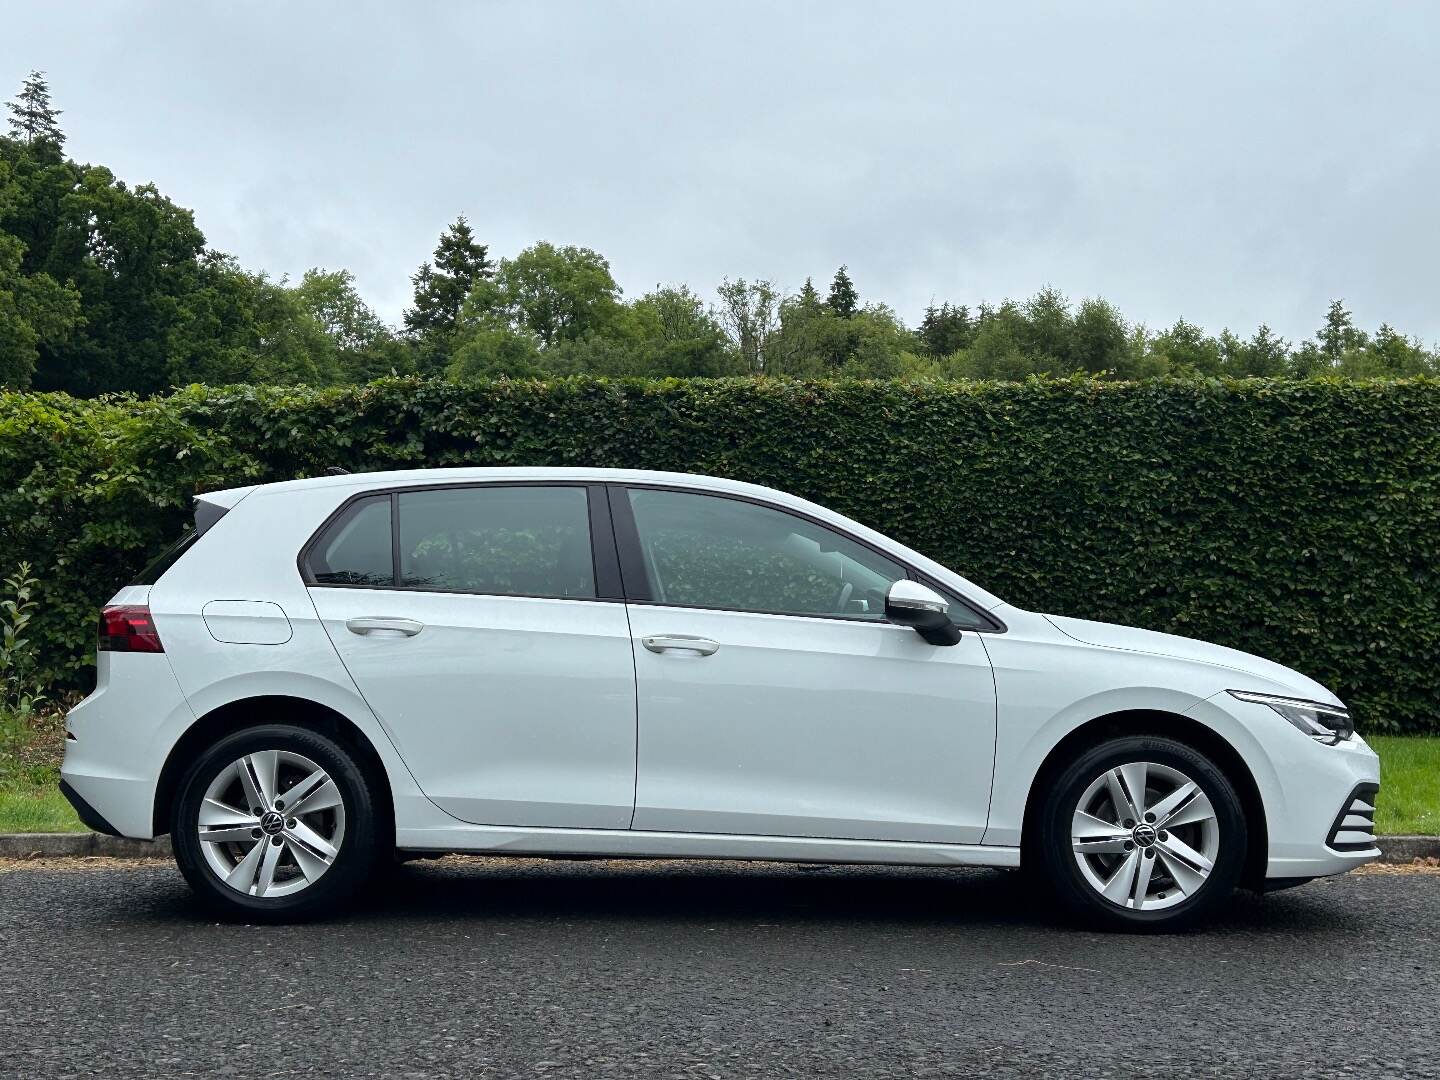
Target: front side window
[(713, 552), (507, 541)]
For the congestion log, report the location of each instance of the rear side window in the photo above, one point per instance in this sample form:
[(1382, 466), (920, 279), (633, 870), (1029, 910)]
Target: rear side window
[(498, 540), (505, 541), (355, 548)]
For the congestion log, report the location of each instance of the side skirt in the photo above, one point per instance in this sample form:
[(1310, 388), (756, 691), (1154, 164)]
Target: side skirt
[(505, 840)]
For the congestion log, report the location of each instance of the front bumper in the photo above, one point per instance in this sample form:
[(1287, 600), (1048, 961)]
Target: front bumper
[(1326, 825)]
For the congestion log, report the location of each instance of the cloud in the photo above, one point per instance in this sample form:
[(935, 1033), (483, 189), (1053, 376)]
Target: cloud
[(1230, 164)]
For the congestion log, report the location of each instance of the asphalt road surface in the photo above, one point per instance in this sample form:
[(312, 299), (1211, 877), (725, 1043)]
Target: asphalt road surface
[(598, 969)]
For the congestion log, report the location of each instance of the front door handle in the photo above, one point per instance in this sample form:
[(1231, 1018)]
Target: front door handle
[(372, 624), (686, 642)]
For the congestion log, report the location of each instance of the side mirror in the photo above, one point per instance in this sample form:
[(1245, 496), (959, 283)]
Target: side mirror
[(918, 606)]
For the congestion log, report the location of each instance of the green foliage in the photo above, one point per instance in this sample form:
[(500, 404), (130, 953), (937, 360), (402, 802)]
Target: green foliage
[(555, 294), (35, 309), (1409, 768), (1298, 520), (1044, 336), (679, 335), (21, 691), (945, 329), (363, 347)]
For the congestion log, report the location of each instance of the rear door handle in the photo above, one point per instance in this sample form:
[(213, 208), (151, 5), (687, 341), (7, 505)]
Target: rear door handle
[(680, 642), (372, 624)]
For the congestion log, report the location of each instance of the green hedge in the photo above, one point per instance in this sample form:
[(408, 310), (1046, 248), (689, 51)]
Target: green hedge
[(1298, 520)]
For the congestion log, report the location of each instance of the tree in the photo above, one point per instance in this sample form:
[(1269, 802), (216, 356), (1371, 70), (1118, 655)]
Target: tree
[(1046, 328), (998, 349), (808, 298), (134, 258), (1339, 333), (32, 120), (554, 294), (1392, 353), (843, 299), (1099, 339), (749, 312), (35, 309), (679, 335), (242, 327), (1264, 355), (798, 344), (1187, 350), (365, 347), (945, 329), (441, 287), (489, 351), (1326, 352)]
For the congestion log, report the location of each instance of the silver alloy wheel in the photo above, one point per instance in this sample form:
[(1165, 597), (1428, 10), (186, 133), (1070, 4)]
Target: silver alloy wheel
[(1145, 836), (271, 823)]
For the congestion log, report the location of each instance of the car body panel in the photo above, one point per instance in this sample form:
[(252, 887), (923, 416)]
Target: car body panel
[(509, 710), (811, 727)]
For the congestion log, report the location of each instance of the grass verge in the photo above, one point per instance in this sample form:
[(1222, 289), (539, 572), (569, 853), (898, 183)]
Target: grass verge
[(1409, 784)]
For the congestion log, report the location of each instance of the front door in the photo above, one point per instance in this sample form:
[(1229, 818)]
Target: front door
[(471, 622), (774, 698)]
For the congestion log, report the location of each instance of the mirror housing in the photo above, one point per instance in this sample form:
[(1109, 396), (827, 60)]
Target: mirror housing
[(920, 607)]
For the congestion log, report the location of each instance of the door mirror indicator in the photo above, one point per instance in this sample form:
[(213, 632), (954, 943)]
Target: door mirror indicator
[(920, 607)]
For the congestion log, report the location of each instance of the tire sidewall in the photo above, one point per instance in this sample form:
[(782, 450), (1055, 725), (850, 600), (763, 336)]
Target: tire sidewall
[(1063, 871), (351, 866)]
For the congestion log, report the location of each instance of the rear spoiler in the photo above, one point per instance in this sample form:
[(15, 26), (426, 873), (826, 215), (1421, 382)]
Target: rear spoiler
[(213, 505)]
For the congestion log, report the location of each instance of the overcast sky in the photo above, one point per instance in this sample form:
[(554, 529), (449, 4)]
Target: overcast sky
[(1230, 164)]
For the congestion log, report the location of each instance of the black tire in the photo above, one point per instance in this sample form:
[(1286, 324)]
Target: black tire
[(358, 849), (1051, 845)]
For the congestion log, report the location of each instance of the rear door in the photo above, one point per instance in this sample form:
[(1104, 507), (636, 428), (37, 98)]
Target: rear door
[(484, 626)]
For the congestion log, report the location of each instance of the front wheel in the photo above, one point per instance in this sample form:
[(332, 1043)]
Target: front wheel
[(274, 822), (1142, 833)]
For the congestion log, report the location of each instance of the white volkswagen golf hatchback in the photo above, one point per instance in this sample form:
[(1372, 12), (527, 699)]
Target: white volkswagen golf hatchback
[(325, 675)]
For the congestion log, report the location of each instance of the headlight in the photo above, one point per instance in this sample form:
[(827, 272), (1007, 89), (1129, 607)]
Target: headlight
[(1328, 724)]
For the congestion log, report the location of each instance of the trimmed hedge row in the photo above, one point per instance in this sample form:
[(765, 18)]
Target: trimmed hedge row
[(1298, 520)]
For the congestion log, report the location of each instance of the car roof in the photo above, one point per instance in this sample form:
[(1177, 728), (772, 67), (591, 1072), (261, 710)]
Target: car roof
[(466, 474)]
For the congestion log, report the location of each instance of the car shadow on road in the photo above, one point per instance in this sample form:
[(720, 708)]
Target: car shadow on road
[(471, 890), (683, 892)]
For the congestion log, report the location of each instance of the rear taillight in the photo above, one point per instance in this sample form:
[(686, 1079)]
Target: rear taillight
[(128, 628)]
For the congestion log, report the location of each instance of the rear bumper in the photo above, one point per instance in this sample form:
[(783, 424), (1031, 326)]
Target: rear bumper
[(118, 740), (92, 818)]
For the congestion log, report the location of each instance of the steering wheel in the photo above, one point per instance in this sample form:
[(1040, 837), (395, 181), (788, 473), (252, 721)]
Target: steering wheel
[(845, 590)]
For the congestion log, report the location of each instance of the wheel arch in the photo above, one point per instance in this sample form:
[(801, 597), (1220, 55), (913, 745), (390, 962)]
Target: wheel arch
[(1171, 725), (251, 711)]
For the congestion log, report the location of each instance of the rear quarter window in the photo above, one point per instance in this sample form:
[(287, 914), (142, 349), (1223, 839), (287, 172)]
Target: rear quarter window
[(206, 515), (355, 548)]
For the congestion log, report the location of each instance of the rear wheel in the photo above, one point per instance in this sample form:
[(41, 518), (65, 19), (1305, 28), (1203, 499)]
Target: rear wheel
[(1142, 833), (275, 822)]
